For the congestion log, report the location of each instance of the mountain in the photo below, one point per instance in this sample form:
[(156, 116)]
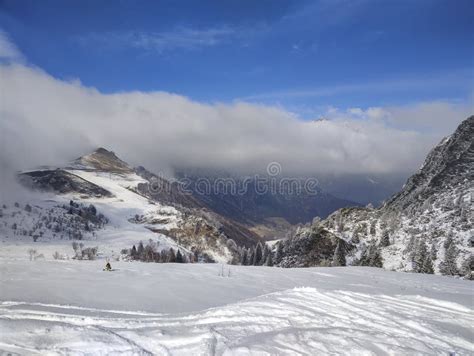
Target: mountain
[(144, 206), (245, 202), (426, 227)]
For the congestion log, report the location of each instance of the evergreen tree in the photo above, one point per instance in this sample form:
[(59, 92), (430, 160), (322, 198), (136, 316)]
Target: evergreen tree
[(468, 267), (364, 257), (419, 256), (449, 266), (257, 258), (133, 253), (385, 241), (141, 251), (244, 261), (149, 253), (266, 252), (428, 265), (279, 253), (251, 256), (92, 210), (269, 260), (171, 256), (375, 259), (164, 256), (433, 252), (179, 257), (339, 258)]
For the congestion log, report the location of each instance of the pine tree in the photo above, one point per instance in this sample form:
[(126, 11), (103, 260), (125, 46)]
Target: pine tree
[(251, 256), (385, 241), (375, 259), (339, 258), (428, 265), (257, 258), (266, 251), (164, 256), (364, 257), (171, 256), (279, 253), (269, 260), (433, 252), (179, 257), (133, 253), (468, 267), (449, 266), (419, 256), (244, 261), (141, 251)]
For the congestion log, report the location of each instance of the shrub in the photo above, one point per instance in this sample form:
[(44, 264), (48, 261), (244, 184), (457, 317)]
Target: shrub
[(90, 253), (58, 256), (33, 254)]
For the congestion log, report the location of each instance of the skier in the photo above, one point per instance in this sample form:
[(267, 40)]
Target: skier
[(108, 267)]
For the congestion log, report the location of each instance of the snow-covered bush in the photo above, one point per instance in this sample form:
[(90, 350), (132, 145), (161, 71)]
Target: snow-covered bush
[(58, 256), (34, 255)]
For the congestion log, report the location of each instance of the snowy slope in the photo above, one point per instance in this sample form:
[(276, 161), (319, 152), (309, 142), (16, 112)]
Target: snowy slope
[(73, 308), (134, 208)]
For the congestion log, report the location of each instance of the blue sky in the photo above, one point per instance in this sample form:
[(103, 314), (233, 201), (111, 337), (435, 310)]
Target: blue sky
[(304, 56)]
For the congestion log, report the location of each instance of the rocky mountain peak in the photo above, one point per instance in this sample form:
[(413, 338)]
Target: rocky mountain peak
[(450, 164), (103, 160)]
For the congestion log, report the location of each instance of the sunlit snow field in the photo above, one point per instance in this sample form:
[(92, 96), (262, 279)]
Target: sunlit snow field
[(73, 307)]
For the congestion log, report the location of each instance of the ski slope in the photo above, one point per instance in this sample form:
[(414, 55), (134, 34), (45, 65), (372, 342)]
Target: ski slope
[(74, 308)]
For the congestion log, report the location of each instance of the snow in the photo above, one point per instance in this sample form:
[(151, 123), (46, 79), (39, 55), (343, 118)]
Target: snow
[(73, 307)]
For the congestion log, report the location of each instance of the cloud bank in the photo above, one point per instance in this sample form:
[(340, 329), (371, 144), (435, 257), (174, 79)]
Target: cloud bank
[(49, 121)]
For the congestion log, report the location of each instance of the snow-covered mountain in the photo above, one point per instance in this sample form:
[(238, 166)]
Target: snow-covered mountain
[(427, 227), (135, 202)]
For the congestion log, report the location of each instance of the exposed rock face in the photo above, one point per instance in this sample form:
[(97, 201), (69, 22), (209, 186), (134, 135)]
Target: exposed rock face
[(427, 227), (164, 191), (61, 182), (448, 167)]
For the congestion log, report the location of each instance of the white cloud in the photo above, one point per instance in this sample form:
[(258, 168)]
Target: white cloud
[(8, 51), (48, 121)]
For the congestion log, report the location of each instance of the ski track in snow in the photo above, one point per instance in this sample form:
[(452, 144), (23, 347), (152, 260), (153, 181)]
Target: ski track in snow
[(299, 321)]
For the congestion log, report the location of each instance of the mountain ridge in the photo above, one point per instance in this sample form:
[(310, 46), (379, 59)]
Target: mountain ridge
[(427, 227)]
